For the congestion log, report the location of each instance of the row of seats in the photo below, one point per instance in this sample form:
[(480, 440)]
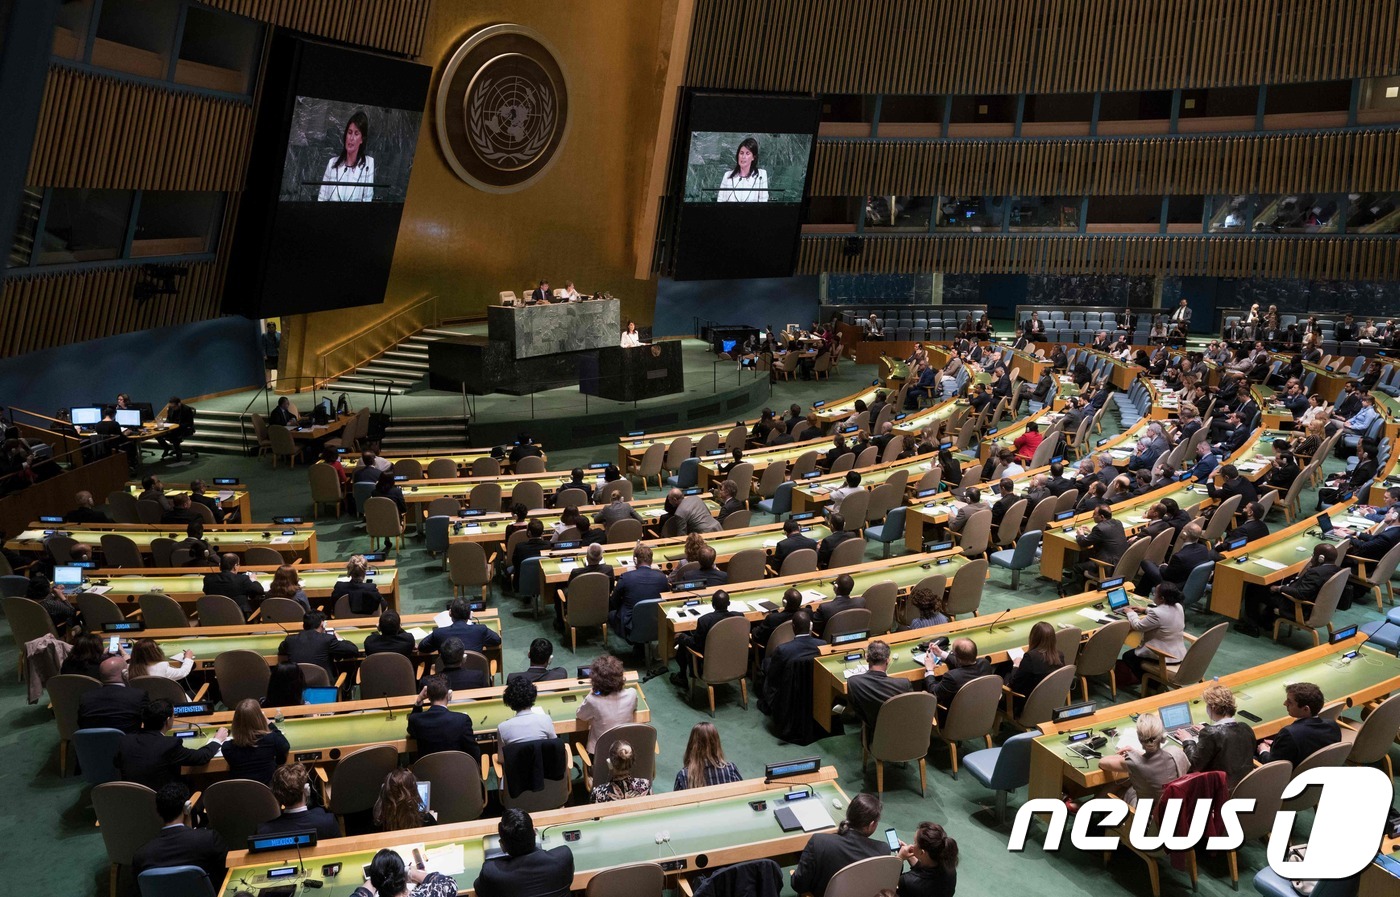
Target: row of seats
[(911, 315)]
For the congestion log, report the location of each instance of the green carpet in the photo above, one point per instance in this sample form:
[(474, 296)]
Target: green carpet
[(47, 812)]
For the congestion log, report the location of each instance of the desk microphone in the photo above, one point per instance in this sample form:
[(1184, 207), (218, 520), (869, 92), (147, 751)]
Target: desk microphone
[(998, 619), (389, 707)]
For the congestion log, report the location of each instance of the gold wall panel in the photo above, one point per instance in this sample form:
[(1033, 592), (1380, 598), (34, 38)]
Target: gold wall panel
[(1013, 46), (1338, 161), (577, 221), (1314, 258), (106, 133), (394, 26)]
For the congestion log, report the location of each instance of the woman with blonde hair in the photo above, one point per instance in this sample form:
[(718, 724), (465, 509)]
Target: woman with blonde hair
[(703, 762), (1314, 431), (286, 584), (1150, 765), (621, 784), (1227, 744), (255, 748), (397, 807), (147, 659), (361, 592)]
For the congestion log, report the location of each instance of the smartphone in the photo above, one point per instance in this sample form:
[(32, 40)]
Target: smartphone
[(892, 839), (113, 644), (1252, 717)]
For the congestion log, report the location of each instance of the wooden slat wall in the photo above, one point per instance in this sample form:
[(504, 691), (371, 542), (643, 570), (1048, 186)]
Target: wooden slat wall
[(1335, 161), (1315, 258), (106, 133), (394, 26), (1034, 46)]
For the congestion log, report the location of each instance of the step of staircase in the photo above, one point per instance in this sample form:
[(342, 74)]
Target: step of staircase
[(426, 434)]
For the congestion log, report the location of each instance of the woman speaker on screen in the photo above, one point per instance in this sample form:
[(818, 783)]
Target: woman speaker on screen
[(747, 182), (349, 176)]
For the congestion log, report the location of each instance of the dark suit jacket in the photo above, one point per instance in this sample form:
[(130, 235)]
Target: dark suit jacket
[(236, 586), (539, 873), (1250, 529), (399, 643), (1297, 741), (212, 504), (831, 608), (315, 818), (795, 542), (365, 599), (640, 584), (436, 728), (1240, 486), (112, 707), (1310, 582), (154, 759), (179, 845), (1105, 541), (259, 761), (710, 577), (474, 637), (870, 690), (1186, 559), (1374, 547), (314, 646), (786, 691), (539, 674), (828, 545), (828, 853), (697, 636), (86, 515)]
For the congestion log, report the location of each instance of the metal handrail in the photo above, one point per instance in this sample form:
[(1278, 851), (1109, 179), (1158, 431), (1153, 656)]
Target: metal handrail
[(386, 328)]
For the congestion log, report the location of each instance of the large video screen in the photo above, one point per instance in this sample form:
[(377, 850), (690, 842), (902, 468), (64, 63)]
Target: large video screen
[(346, 152), (742, 173), (328, 175)]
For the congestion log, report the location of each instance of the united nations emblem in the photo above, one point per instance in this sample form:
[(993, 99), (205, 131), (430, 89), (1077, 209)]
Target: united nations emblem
[(502, 108)]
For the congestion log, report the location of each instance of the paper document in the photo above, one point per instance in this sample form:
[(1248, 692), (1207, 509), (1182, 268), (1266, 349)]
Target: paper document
[(812, 814), (449, 859), (1127, 738), (1096, 616), (281, 540), (1361, 522), (418, 634), (225, 495), (812, 595), (740, 607), (770, 543), (1015, 654), (443, 619), (98, 590), (1272, 565)]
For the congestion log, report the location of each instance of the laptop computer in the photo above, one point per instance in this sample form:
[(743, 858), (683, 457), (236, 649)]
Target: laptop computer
[(1118, 601), (320, 694), (70, 577), (1331, 533), (1176, 720)]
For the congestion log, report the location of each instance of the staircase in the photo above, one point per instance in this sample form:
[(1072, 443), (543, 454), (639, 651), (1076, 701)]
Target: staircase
[(428, 435), (217, 432), (22, 249), (398, 370)]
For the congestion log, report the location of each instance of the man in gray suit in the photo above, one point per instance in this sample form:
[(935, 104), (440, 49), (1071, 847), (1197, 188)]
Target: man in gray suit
[(974, 504), (616, 510), (695, 517), (871, 689)]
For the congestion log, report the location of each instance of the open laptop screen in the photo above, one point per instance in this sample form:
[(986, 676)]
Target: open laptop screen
[(1175, 716)]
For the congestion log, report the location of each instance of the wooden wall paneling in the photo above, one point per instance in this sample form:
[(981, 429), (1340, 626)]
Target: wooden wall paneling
[(393, 26)]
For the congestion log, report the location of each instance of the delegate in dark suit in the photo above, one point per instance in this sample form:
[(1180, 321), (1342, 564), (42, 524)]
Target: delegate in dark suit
[(1297, 741), (870, 690), (112, 707), (828, 853), (365, 599), (1231, 488), (539, 873), (786, 692), (641, 584), (831, 608), (179, 845), (314, 818), (242, 589), (154, 759), (604, 569), (796, 542), (314, 646), (1187, 558), (1374, 547), (436, 728), (539, 674), (946, 686), (474, 637), (829, 545)]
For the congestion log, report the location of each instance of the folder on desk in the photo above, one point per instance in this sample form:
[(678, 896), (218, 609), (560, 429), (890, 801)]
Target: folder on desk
[(808, 815)]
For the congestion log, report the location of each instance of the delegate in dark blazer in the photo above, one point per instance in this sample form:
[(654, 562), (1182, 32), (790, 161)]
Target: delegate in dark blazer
[(314, 645), (112, 707), (539, 873), (474, 636), (242, 589), (828, 853), (1299, 740), (437, 728), (180, 845), (633, 586), (870, 690), (150, 757), (315, 818), (796, 541), (364, 597)]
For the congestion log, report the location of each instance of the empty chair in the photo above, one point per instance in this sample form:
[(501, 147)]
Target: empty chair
[(1003, 769), (467, 568), (382, 521), (325, 488), (737, 519), (1371, 741), (1099, 655), (587, 605), (965, 593), (175, 881), (281, 444), (486, 467), (889, 532), (902, 733), (97, 754), (161, 550), (65, 690), (485, 497), (865, 877), (218, 610), (445, 506), (649, 465), (880, 599), (99, 610), (1024, 555), (1264, 785), (121, 507), (148, 511), (127, 819), (747, 566), (638, 880), (571, 496), (441, 469), (1331, 755), (625, 530), (853, 619), (387, 674), (121, 551), (160, 611), (161, 687), (528, 493), (236, 808), (259, 556), (436, 534), (241, 674), (459, 792)]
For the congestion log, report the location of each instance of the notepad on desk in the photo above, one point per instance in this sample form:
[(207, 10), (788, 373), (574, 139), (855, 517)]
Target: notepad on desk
[(808, 815), (1272, 565), (281, 540), (810, 596), (97, 590), (417, 633)]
